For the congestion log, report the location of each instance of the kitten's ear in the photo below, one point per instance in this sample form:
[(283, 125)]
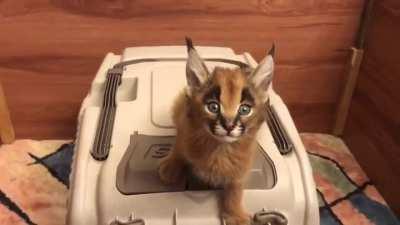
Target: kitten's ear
[(263, 74), (196, 71)]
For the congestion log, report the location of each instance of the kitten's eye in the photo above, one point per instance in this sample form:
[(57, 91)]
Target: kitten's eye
[(213, 107), (244, 110)]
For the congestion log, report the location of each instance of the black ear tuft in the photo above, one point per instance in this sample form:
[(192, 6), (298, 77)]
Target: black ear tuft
[(272, 50), (189, 43)]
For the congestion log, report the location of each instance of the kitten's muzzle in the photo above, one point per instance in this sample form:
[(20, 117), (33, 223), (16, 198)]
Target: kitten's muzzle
[(228, 125)]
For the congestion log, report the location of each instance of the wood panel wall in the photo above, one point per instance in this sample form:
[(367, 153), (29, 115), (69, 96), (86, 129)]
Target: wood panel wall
[(51, 49), (373, 126)]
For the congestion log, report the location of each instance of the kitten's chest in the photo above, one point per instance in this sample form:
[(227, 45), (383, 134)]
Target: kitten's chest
[(222, 166)]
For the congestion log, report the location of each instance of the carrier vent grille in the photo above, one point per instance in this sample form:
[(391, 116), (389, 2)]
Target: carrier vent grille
[(102, 145), (278, 132)]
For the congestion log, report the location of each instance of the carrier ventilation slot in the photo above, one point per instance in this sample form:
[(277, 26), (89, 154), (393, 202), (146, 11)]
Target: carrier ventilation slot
[(278, 132), (105, 125)]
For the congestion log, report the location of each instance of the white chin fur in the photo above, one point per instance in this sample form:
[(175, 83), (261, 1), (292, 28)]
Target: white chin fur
[(230, 139), (227, 139)]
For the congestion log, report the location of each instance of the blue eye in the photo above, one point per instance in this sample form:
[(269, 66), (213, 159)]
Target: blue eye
[(244, 110), (213, 107)]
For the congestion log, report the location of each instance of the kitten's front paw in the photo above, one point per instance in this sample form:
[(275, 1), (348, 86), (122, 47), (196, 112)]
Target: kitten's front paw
[(237, 219), (170, 171)]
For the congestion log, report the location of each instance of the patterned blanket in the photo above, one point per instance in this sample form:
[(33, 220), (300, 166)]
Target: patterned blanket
[(34, 183)]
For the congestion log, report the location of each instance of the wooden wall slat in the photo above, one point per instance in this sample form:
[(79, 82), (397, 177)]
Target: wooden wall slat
[(373, 127), (57, 46)]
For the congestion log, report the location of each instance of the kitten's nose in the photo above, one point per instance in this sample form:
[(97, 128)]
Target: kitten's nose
[(229, 125)]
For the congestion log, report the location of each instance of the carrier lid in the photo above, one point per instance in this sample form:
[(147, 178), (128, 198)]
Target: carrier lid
[(167, 81)]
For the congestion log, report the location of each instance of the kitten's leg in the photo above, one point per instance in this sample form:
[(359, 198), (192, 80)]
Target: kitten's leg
[(171, 168), (232, 209)]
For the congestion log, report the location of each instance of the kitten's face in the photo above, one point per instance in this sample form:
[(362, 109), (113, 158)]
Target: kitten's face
[(228, 103), (230, 106)]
